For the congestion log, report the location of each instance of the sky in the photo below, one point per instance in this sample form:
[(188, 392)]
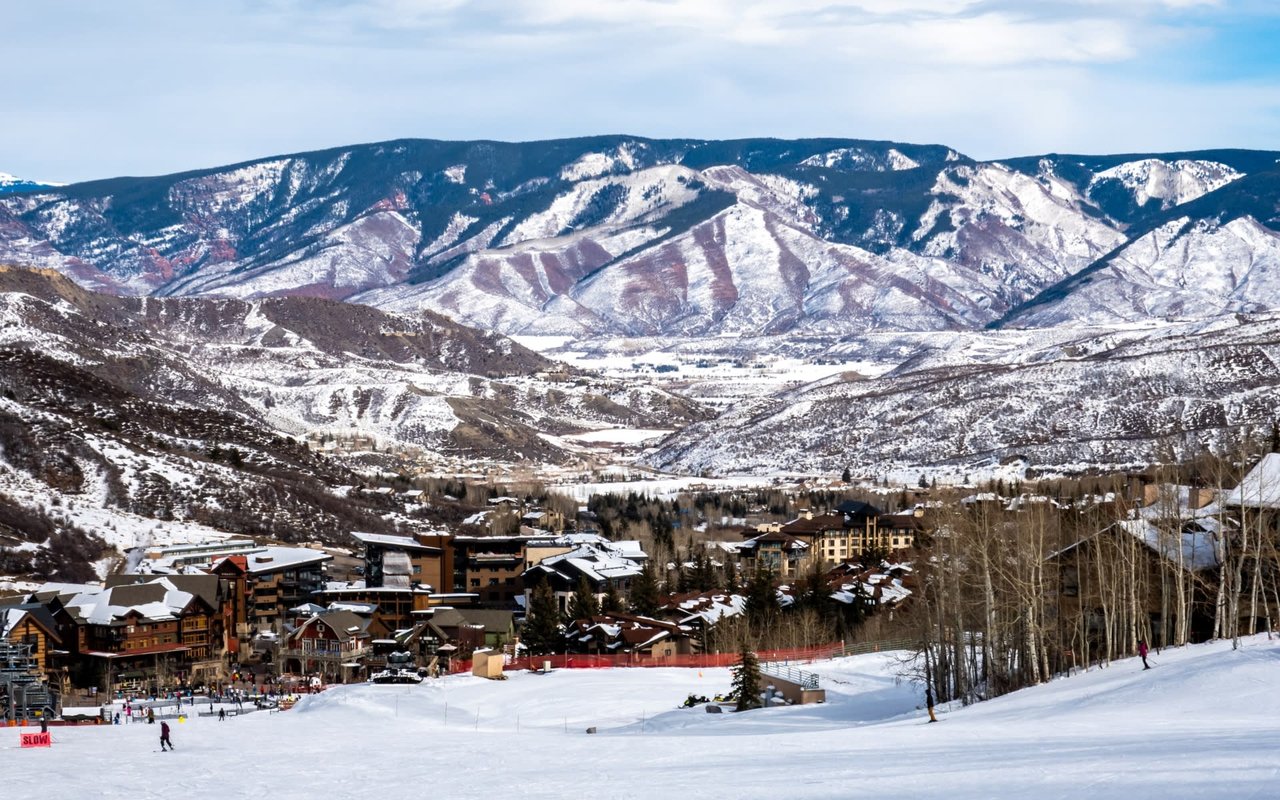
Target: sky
[(145, 87)]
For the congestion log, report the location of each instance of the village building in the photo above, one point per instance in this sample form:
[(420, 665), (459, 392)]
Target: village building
[(850, 531), (31, 625), (775, 552), (267, 582), (700, 611), (141, 636), (904, 530), (493, 567), (628, 633), (459, 632), (393, 606), (590, 557), (424, 559), (332, 646), (1141, 578)]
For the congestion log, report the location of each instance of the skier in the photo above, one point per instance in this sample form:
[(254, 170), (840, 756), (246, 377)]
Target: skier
[(222, 715), (151, 715), (164, 737), (1142, 653), (928, 701)]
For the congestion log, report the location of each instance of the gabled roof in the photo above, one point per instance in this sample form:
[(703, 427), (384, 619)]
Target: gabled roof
[(789, 543), (158, 599), (857, 508), (906, 521), (1260, 488), (492, 620), (344, 624), (1193, 547), (623, 631), (818, 524), (206, 587), (706, 607), (13, 616)]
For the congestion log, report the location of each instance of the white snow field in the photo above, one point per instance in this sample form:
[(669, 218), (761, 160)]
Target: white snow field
[(1203, 723)]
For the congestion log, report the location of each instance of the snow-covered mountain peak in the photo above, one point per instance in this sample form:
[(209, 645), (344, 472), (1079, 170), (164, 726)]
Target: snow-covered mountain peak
[(1170, 183), (859, 159), (595, 164)]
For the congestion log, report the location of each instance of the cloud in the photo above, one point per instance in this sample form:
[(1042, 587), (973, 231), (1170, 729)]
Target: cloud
[(148, 86)]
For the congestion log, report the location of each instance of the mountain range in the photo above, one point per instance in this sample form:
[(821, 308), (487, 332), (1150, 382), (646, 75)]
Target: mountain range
[(1013, 305)]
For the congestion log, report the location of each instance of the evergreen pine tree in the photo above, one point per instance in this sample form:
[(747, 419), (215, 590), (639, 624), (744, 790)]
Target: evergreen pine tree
[(583, 603), (732, 584), (746, 680), (704, 573), (846, 476), (645, 597), (684, 580), (612, 600), (762, 600), (541, 631)]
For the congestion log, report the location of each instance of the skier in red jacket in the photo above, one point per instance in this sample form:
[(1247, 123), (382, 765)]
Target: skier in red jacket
[(1142, 653), (165, 744)]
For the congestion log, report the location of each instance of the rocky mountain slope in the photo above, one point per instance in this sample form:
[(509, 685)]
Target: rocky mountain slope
[(1060, 399), (629, 236), (913, 259), (123, 416)]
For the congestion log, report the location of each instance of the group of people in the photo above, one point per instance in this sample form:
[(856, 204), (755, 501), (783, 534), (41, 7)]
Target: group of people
[(130, 712)]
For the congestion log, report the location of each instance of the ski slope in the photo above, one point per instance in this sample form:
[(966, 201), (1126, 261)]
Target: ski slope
[(1202, 724)]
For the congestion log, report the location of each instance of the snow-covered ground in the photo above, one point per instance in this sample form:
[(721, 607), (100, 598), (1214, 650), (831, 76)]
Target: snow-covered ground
[(661, 488), (1202, 724)]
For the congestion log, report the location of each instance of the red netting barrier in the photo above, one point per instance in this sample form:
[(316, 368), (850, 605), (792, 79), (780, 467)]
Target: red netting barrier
[(694, 661)]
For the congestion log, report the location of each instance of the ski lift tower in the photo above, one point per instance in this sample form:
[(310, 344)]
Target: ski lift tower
[(23, 693)]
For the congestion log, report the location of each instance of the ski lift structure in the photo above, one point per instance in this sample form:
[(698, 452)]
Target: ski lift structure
[(24, 694)]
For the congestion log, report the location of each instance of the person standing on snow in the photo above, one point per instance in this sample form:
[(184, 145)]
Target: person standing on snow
[(165, 744), (1142, 653)]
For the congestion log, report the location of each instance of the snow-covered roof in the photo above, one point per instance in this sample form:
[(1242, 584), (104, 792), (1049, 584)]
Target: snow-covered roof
[(10, 618), (355, 608), (1194, 540), (710, 607), (1260, 488), (274, 559), (400, 542), (595, 557), (155, 600)]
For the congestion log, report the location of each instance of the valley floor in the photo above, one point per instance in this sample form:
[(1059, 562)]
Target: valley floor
[(1204, 723)]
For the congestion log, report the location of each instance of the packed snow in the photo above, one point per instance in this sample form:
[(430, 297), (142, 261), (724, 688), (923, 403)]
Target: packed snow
[(1202, 724)]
